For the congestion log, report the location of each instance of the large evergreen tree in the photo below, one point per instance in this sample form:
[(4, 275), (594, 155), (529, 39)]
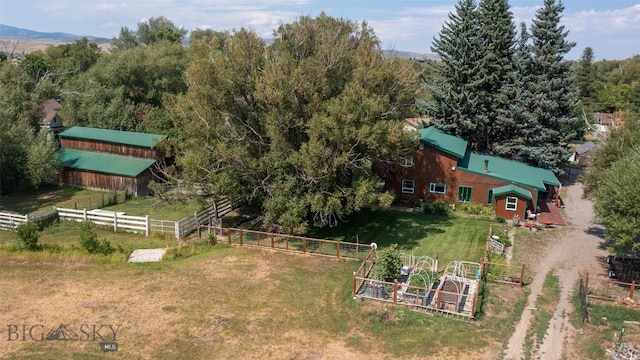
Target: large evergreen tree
[(553, 91), (477, 47), (495, 75), (455, 98)]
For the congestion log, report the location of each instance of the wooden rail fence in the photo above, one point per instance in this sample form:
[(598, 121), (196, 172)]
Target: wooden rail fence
[(287, 243)]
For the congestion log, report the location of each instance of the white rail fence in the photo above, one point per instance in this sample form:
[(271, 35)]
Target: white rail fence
[(120, 221), (117, 220), (10, 220), (206, 216)]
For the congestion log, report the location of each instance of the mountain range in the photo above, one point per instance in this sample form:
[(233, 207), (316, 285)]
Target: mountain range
[(11, 32)]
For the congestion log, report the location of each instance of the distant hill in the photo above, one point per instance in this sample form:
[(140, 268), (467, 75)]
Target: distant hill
[(10, 32)]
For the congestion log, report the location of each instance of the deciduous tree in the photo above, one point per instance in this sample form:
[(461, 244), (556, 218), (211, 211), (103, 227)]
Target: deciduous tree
[(296, 127)]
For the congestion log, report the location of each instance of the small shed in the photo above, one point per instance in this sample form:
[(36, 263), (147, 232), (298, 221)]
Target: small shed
[(511, 200), (584, 153)]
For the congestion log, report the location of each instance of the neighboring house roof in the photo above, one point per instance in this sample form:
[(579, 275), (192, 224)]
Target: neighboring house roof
[(512, 189), (586, 147), (113, 136), (442, 141), (104, 163), (603, 118), (508, 170), (51, 108), (416, 123)]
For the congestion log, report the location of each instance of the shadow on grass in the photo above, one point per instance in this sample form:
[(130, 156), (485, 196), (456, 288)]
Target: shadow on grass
[(385, 228), (33, 201)]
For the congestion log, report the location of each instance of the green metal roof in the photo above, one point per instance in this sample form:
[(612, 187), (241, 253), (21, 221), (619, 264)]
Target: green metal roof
[(442, 141), (104, 163), (512, 189), (113, 136), (508, 170)]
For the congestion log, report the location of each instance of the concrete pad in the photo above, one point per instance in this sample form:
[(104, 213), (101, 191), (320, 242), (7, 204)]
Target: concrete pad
[(147, 255)]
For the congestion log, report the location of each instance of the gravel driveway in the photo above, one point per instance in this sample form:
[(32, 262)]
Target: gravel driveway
[(578, 250)]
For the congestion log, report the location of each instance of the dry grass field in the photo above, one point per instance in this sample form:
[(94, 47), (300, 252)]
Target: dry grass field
[(20, 46)]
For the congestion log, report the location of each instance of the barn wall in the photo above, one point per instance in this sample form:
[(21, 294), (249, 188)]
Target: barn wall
[(116, 149), (106, 182)]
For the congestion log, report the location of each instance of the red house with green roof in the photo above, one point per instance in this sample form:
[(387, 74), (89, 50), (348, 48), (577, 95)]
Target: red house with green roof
[(444, 169), (109, 160)]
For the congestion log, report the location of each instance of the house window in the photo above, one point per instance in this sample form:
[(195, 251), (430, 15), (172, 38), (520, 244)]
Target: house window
[(511, 204), (464, 194), (407, 162), (490, 197), (408, 186), (437, 188)]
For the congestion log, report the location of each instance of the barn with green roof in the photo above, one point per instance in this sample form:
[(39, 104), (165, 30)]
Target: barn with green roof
[(444, 169), (109, 160)]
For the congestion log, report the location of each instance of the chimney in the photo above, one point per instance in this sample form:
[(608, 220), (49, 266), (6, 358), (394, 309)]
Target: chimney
[(486, 165)]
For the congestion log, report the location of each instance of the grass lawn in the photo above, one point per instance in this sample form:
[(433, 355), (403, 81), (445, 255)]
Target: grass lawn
[(452, 238), (224, 303), (75, 198), (204, 302)]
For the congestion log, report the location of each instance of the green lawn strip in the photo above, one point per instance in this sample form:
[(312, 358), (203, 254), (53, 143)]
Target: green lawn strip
[(451, 238), (75, 198), (545, 307)]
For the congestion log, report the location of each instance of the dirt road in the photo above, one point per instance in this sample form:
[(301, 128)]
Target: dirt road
[(577, 250)]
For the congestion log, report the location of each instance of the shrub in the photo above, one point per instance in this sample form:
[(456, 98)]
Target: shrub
[(28, 235), (89, 241), (211, 238), (435, 208), (500, 220), (474, 209), (388, 264)]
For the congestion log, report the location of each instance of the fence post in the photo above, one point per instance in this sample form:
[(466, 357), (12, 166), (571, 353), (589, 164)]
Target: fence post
[(354, 284), (272, 241), (199, 232), (338, 249), (115, 221), (304, 245), (586, 285), (240, 237), (633, 287), (84, 212), (229, 235), (395, 292), (177, 230), (148, 226)]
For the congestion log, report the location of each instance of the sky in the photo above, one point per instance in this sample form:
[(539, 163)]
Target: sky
[(610, 27)]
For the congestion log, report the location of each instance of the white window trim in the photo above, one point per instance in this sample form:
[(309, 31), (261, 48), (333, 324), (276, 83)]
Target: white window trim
[(510, 204), (407, 162), (432, 187), (408, 189)]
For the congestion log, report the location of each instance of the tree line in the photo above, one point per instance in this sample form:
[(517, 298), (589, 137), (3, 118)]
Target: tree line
[(304, 127)]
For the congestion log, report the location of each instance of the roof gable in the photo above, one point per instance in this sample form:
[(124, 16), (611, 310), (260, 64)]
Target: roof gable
[(512, 189), (104, 163), (510, 171), (442, 141), (113, 136)]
